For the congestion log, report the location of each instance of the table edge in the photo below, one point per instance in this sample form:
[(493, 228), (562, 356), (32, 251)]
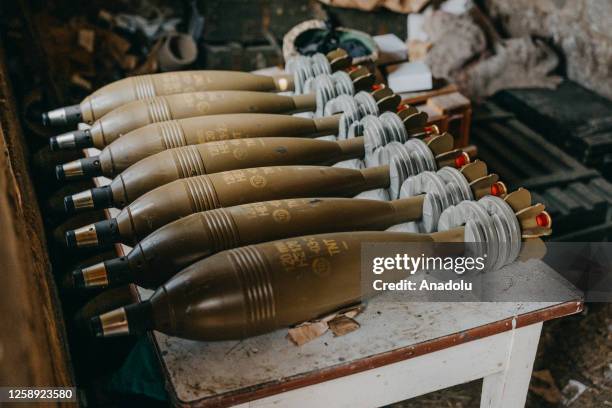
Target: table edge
[(259, 391)]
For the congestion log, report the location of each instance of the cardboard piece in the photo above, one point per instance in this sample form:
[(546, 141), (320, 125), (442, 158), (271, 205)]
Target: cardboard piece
[(340, 323), (391, 48)]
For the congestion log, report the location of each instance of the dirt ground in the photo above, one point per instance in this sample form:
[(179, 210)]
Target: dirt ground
[(575, 348)]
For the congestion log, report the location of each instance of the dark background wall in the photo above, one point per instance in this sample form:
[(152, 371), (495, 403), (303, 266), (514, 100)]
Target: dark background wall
[(247, 35)]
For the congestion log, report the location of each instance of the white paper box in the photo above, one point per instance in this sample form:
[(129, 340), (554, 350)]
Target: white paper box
[(410, 77)]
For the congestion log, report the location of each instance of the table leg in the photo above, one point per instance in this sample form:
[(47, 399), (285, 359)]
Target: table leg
[(508, 388)]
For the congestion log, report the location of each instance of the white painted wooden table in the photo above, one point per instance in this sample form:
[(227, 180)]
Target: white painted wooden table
[(402, 350)]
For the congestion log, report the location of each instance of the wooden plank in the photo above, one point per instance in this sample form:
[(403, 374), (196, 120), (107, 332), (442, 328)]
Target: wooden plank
[(415, 98), (445, 104), (32, 332)]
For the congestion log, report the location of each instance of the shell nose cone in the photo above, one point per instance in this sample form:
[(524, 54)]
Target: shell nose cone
[(95, 325), (69, 205), (71, 239), (59, 172), (75, 139), (67, 115), (78, 279)]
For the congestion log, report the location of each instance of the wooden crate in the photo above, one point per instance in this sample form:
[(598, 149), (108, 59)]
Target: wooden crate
[(448, 109)]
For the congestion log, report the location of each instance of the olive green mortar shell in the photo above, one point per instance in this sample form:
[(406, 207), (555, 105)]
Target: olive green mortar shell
[(259, 288), (134, 88), (252, 290), (178, 244), (208, 158), (141, 87), (157, 137), (201, 193), (163, 108), (150, 139)]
